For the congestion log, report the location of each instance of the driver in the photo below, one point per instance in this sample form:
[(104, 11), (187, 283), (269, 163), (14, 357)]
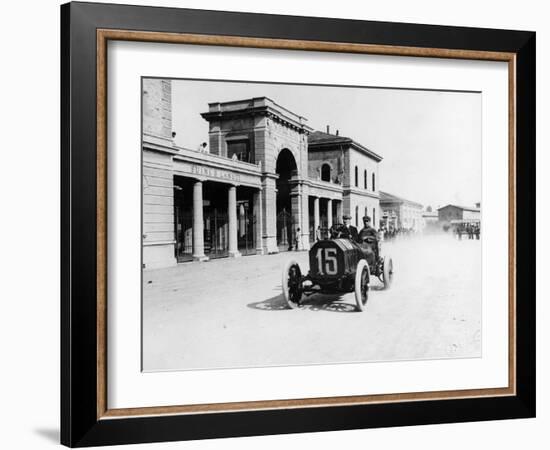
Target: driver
[(368, 231), (347, 231)]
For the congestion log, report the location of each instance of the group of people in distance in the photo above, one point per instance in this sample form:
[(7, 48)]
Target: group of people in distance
[(471, 229), (392, 233)]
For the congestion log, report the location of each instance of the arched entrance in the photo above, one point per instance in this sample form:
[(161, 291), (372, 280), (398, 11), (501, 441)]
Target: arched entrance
[(286, 168)]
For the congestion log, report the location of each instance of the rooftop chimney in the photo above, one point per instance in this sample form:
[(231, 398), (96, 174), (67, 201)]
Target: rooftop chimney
[(328, 129), (337, 132)]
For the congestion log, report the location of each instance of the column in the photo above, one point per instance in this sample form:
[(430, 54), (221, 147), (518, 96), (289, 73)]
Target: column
[(198, 223), (269, 210), (296, 211), (232, 221), (339, 211), (304, 240), (258, 222), (329, 213), (315, 216)]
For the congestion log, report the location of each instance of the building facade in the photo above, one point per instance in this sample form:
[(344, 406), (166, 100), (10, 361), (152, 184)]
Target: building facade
[(260, 189), (449, 213), (336, 160), (400, 213)]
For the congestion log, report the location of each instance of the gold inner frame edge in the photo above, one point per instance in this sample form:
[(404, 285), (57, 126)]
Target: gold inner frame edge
[(104, 35)]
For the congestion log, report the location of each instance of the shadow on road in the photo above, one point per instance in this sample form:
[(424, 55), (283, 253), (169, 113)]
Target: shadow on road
[(276, 303), (312, 303)]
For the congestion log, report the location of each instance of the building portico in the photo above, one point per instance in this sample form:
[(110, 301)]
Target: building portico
[(261, 132), (226, 207)]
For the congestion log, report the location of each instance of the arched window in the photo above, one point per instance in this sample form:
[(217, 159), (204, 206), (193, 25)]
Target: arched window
[(356, 177), (373, 182), (365, 179), (325, 172), (357, 215)]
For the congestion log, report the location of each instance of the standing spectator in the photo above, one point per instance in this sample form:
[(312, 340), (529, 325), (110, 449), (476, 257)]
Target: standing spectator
[(318, 233), (297, 239)]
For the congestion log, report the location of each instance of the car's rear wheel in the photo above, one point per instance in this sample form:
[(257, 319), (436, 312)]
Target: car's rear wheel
[(387, 273), (292, 284), (362, 279)]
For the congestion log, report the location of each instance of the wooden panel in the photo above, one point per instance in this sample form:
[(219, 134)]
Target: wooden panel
[(158, 200), (155, 165), (157, 181), (155, 236), (156, 172), (158, 190), (157, 227), (158, 218), (153, 208), (152, 156)]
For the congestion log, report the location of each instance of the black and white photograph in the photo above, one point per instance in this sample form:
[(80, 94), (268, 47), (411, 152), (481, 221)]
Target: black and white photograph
[(296, 224)]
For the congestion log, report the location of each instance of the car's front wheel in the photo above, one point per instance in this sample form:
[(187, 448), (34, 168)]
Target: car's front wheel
[(292, 284), (362, 279), (387, 273)]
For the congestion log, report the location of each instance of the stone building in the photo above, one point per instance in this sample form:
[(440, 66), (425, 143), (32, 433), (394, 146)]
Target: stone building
[(449, 213), (399, 212), (350, 169), (266, 184)]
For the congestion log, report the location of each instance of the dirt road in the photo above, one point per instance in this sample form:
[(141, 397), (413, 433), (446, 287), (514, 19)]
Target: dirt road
[(230, 312)]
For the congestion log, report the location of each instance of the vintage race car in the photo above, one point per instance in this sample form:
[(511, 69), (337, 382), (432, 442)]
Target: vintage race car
[(337, 266)]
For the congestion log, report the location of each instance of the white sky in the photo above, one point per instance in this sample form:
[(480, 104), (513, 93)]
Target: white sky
[(430, 141)]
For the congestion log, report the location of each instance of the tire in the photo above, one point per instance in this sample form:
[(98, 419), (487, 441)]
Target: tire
[(292, 284), (362, 279), (387, 273)]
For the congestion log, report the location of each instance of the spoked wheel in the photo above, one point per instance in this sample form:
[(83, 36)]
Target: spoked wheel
[(292, 284), (362, 278), (387, 273)]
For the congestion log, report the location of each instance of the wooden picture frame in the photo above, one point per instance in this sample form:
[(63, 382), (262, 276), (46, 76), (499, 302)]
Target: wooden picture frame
[(85, 417)]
